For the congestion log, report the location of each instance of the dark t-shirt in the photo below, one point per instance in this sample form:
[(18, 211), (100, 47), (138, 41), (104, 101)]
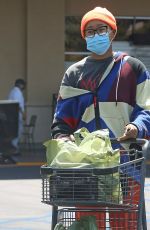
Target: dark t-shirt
[(86, 74)]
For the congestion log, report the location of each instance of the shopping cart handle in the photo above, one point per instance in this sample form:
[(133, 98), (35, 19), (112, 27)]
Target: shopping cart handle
[(144, 143), (45, 170), (129, 141)]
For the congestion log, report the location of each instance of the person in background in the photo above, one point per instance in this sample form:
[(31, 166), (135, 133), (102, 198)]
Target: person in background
[(105, 90), (16, 94)]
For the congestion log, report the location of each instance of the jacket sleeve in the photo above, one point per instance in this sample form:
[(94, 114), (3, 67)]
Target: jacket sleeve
[(60, 129), (141, 113), (66, 117)]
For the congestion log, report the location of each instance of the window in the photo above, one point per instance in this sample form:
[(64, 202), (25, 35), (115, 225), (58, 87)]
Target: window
[(133, 35), (136, 31)]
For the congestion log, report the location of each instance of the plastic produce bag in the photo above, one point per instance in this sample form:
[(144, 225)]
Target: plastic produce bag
[(59, 226), (64, 154), (109, 188), (89, 150), (85, 223)]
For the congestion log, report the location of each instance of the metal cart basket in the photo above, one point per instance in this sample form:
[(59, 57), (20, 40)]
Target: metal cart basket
[(114, 195)]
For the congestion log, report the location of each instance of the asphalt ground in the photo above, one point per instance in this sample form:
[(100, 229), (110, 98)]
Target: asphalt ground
[(21, 193), (20, 199), (21, 207)]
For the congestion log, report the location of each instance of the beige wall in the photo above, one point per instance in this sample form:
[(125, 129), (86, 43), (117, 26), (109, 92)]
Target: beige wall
[(117, 7), (45, 50), (12, 43), (32, 47), (45, 59)]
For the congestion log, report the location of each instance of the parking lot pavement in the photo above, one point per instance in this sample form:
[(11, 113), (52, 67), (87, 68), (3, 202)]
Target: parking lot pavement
[(21, 207), (21, 193)]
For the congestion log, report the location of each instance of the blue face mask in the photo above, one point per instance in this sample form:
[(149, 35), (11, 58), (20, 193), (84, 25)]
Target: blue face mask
[(98, 44)]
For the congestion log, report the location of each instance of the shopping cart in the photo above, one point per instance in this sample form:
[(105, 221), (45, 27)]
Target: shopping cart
[(114, 196)]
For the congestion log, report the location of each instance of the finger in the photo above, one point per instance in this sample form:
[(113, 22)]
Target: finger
[(123, 138), (72, 138), (127, 130), (127, 134), (131, 130), (132, 133)]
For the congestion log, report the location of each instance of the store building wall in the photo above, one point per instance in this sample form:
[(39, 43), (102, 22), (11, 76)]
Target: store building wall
[(45, 59), (117, 7), (12, 43), (32, 47)]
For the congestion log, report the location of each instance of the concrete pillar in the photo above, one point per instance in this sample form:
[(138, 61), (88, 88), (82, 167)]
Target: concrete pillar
[(45, 39), (45, 28), (12, 43)]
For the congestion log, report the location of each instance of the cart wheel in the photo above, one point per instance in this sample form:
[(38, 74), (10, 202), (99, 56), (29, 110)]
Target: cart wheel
[(54, 216)]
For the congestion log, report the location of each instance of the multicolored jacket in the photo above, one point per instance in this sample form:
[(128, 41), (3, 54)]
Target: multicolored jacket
[(122, 97)]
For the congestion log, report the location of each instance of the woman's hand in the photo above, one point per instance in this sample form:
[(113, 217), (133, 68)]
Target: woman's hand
[(68, 138), (131, 131)]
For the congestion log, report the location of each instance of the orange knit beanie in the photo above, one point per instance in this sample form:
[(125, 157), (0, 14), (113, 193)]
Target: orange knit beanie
[(101, 14)]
